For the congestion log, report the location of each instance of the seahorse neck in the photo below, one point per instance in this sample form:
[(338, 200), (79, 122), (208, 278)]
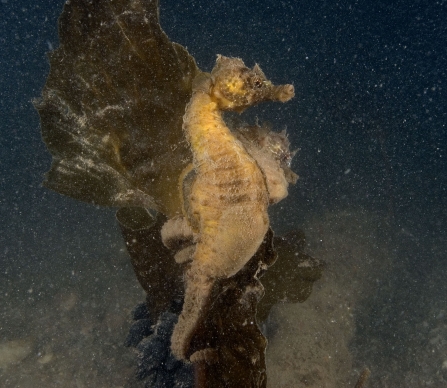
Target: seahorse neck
[(205, 128)]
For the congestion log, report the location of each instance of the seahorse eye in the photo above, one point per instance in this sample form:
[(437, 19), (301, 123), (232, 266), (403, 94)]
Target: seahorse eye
[(257, 83)]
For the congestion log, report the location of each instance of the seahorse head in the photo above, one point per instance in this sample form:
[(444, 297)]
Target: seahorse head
[(236, 87)]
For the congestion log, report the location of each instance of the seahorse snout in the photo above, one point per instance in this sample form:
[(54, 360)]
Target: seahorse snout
[(283, 93)]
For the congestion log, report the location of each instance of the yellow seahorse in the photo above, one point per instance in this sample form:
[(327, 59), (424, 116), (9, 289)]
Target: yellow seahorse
[(227, 198)]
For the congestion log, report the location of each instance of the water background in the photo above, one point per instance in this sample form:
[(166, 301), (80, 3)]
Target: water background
[(369, 118)]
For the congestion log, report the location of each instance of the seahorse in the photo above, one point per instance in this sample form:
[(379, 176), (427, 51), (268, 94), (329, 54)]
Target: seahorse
[(226, 198)]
